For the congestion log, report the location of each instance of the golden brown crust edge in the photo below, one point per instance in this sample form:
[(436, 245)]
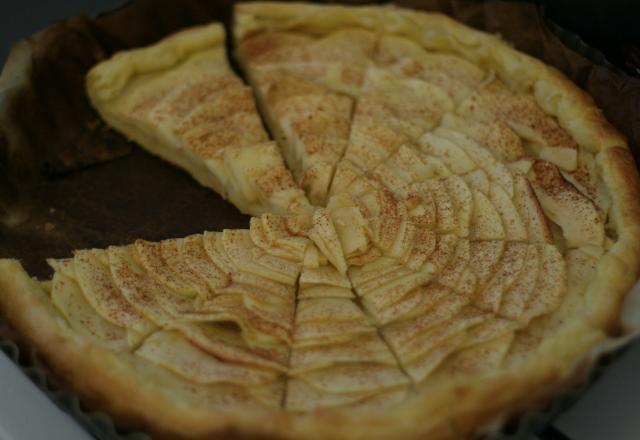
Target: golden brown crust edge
[(618, 269), (106, 80)]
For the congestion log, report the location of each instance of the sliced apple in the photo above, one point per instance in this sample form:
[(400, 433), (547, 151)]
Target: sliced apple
[(542, 133), (444, 251), (500, 175), (450, 276), (516, 297), (506, 272), (325, 237), (495, 136), (486, 223), (193, 253), (313, 129), (514, 227), (455, 158), (479, 155), (367, 348), (356, 378), (478, 180), (81, 317), (438, 191), (415, 303), (249, 258), (434, 338), (485, 256), (577, 215), (530, 211), (462, 200), (455, 75), (323, 281), (329, 320), (302, 396), (408, 106), (170, 252), (484, 357), (174, 352), (551, 284), (227, 344), (101, 292), (149, 255), (371, 141)]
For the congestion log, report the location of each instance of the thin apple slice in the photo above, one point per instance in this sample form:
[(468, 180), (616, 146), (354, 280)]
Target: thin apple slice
[(495, 136), (171, 350), (578, 217), (514, 227), (462, 200), (506, 272), (227, 344), (478, 180), (479, 155), (170, 252), (452, 273), (486, 223), (485, 256), (542, 133), (455, 75), (367, 348), (454, 157), (324, 235), (530, 211), (516, 297), (484, 357), (149, 255), (551, 285), (96, 282), (67, 297), (193, 253), (329, 320)]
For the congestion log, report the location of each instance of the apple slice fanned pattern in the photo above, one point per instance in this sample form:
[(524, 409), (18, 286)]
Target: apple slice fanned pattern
[(442, 211), (419, 219), (215, 309)]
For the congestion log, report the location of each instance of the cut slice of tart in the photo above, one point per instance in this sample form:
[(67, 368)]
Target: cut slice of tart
[(206, 319), (306, 88), (180, 100)]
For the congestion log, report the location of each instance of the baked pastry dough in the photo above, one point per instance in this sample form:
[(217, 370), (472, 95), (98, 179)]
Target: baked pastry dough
[(473, 237)]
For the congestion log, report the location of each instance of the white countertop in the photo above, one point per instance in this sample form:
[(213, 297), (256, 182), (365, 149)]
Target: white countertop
[(27, 414)]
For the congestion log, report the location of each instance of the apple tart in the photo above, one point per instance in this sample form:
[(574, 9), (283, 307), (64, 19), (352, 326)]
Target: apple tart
[(457, 232)]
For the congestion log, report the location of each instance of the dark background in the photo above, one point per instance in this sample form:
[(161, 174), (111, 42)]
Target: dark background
[(613, 26)]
